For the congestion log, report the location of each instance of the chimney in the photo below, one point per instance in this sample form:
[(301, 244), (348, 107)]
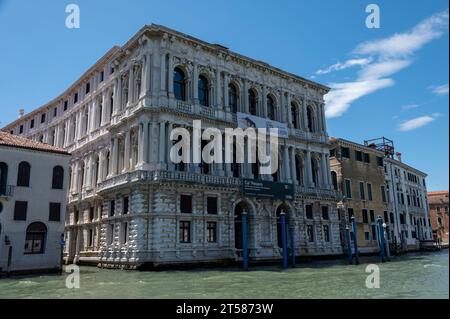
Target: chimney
[(399, 156), (21, 113)]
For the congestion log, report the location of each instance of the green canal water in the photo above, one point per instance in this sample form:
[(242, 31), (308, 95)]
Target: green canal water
[(408, 276)]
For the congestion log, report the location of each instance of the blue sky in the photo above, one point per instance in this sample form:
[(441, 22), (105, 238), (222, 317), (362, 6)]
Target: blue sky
[(391, 81)]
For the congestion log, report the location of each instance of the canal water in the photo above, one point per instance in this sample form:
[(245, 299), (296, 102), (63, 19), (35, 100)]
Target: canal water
[(409, 276)]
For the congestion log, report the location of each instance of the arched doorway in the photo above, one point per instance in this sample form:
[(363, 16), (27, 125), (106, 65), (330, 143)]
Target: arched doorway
[(238, 210), (282, 208)]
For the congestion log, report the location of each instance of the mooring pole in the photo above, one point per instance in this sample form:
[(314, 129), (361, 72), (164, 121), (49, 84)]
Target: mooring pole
[(355, 240), (349, 244), (244, 239), (292, 235), (386, 239), (380, 238), (283, 238)]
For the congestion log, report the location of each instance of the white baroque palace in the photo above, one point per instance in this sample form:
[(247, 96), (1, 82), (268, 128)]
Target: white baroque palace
[(130, 206)]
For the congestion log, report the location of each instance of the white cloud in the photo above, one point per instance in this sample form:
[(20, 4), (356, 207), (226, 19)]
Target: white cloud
[(383, 58), (440, 90), (339, 99), (342, 66), (417, 122), (405, 44), (410, 107)]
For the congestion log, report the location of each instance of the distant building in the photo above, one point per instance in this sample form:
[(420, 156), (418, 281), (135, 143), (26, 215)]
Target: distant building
[(407, 194), (33, 179), (357, 171), (438, 202)]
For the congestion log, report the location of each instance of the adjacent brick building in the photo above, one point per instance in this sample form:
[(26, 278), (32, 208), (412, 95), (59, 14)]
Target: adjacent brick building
[(438, 202)]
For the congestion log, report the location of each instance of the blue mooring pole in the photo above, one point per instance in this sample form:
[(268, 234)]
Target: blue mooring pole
[(292, 235), (283, 238), (355, 240), (380, 237), (244, 239), (386, 240), (349, 245)]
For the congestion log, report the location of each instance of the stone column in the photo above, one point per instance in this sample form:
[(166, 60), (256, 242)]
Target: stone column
[(245, 96), (162, 142), (115, 96), (115, 156), (305, 113), (324, 171), (170, 78), (163, 90), (131, 86), (226, 101), (289, 113), (218, 89), (293, 167), (324, 122), (195, 83), (287, 173), (169, 144), (127, 153), (100, 172), (309, 179), (263, 110), (148, 63), (330, 182), (104, 108)]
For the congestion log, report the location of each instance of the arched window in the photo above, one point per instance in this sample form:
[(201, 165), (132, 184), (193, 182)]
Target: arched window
[(23, 176), (299, 169), (252, 102), (203, 91), (310, 116), (179, 84), (334, 180), (294, 115), (58, 177), (3, 177), (315, 172), (232, 98), (270, 108), (35, 238)]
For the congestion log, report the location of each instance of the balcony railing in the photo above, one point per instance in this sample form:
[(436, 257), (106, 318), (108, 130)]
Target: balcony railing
[(191, 177), (7, 191)]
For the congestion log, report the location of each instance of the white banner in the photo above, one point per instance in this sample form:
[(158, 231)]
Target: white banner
[(247, 120)]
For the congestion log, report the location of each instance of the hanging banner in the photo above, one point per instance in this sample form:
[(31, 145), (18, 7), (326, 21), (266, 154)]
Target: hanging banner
[(246, 120)]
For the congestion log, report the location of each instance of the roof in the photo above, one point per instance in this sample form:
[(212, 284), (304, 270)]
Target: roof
[(342, 141), (117, 51), (438, 197), (7, 139)]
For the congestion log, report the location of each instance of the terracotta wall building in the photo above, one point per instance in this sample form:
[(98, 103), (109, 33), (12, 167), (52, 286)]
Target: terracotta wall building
[(438, 202)]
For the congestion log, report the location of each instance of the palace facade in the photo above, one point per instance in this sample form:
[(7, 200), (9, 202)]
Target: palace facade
[(130, 206)]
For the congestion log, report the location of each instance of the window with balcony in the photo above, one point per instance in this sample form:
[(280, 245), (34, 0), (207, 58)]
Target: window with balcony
[(203, 91), (252, 102), (233, 97), (270, 108), (179, 84)]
